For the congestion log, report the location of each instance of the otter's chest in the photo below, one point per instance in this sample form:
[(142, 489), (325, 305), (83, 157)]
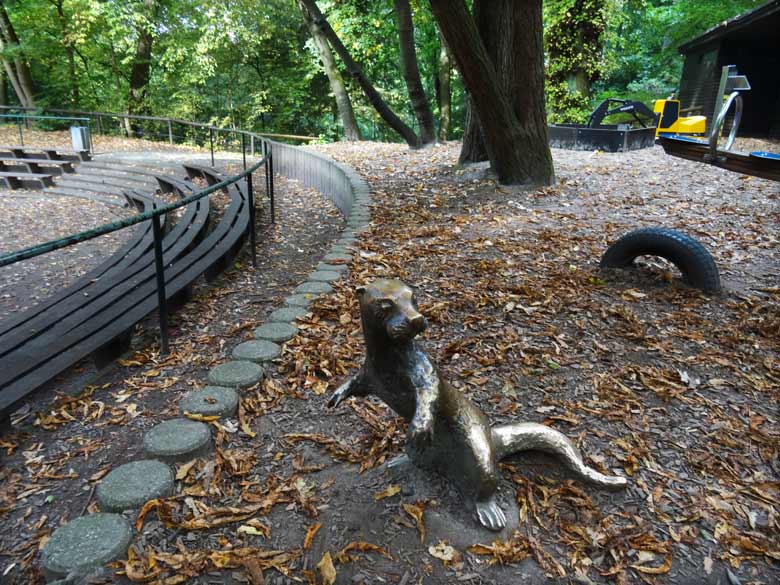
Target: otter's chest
[(399, 383)]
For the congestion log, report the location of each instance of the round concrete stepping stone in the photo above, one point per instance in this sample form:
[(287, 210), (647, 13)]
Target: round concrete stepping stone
[(338, 249), (300, 300), (210, 401), (278, 332), (286, 314), (236, 374), (258, 350), (133, 484), (84, 544), (324, 276), (178, 439), (337, 258), (314, 287), (332, 267)]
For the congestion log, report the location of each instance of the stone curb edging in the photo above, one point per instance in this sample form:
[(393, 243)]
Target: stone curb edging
[(88, 542)]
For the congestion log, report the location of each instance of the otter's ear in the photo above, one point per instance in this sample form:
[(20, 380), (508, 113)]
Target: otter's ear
[(359, 290)]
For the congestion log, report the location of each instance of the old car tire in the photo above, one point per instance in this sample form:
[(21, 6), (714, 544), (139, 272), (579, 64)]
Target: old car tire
[(693, 260)]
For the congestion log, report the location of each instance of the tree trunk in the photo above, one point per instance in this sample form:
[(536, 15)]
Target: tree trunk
[(142, 63), (517, 145), (3, 89), (504, 28), (70, 53), (411, 72), (21, 79), (444, 94), (357, 73), (343, 103), (473, 148)]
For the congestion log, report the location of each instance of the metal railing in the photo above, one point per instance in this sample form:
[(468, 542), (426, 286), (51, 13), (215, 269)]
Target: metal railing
[(311, 169), (25, 117)]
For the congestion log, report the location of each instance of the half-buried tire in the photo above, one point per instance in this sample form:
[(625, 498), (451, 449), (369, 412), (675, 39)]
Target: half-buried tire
[(691, 258)]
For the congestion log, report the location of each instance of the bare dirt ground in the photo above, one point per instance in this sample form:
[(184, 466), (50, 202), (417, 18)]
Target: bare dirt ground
[(673, 389)]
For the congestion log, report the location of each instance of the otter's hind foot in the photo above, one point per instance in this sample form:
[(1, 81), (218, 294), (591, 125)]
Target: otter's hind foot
[(490, 514)]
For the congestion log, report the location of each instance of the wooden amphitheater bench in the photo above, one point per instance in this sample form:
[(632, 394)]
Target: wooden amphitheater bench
[(96, 315), (16, 180), (36, 165), (49, 153)]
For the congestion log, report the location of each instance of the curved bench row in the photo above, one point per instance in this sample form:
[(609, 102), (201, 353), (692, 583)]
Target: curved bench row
[(97, 315)]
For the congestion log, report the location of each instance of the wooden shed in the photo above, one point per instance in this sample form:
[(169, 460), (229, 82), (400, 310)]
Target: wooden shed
[(751, 41)]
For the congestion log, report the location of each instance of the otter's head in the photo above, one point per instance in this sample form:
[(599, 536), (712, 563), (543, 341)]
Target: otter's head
[(389, 311)]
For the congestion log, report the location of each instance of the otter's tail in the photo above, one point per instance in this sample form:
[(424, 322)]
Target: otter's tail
[(511, 438)]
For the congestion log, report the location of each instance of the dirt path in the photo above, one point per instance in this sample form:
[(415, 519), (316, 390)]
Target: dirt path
[(674, 390)]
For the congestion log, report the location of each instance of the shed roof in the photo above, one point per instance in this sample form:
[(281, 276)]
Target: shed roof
[(744, 25)]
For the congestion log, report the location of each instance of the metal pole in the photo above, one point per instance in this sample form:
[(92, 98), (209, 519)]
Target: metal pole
[(99, 126), (264, 145), (243, 148), (21, 136), (170, 132), (161, 301), (252, 144), (270, 170), (253, 228), (211, 139)]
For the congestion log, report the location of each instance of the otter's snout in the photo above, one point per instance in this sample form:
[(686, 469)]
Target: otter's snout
[(419, 323), (406, 325)]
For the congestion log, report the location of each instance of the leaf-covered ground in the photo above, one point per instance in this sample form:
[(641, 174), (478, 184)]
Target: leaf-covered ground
[(675, 390)]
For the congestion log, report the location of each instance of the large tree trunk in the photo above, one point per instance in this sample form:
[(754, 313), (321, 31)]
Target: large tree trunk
[(517, 145), (444, 93), (411, 72), (142, 63), (18, 70), (343, 103), (504, 27), (357, 73)]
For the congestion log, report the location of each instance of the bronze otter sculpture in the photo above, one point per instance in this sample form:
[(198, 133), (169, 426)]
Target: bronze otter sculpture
[(447, 432)]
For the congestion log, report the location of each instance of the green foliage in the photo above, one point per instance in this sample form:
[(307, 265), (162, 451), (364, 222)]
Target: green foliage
[(642, 40), (574, 38)]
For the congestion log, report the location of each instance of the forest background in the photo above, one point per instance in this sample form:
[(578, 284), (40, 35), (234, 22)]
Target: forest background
[(254, 64)]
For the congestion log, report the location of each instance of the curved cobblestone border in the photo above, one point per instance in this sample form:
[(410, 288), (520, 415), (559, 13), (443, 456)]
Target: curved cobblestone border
[(352, 197)]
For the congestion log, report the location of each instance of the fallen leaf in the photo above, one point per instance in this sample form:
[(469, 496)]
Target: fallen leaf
[(310, 534), (327, 570), (391, 490), (416, 512)]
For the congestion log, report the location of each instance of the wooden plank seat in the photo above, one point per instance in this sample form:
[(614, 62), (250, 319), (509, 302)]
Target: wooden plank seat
[(17, 179), (49, 153), (755, 164), (36, 165), (96, 315)]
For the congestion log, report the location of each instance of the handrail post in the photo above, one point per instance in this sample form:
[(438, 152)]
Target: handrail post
[(21, 136), (160, 270), (170, 132), (211, 140), (243, 149), (252, 227), (270, 170), (99, 125), (252, 144)]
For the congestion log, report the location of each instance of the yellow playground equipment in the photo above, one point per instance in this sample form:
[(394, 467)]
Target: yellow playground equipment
[(670, 122)]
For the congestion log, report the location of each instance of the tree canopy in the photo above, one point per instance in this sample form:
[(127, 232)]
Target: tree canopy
[(255, 64)]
